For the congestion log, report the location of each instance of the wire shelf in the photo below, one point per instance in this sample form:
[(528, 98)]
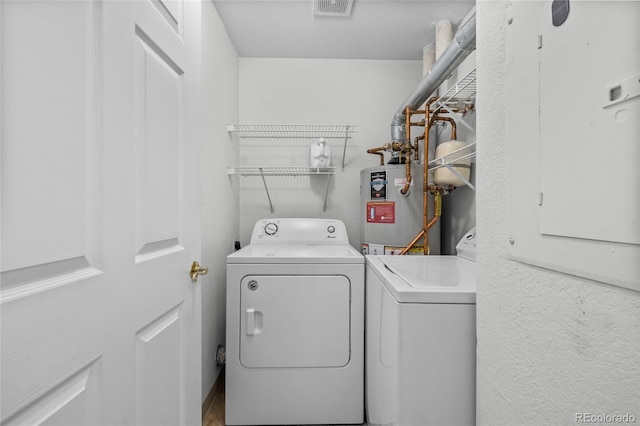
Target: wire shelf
[(292, 131), (464, 91), (280, 171)]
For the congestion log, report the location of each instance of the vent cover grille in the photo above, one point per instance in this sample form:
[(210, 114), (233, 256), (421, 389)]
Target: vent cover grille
[(332, 7)]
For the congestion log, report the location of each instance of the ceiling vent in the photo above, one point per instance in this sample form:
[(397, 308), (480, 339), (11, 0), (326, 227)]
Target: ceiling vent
[(332, 8)]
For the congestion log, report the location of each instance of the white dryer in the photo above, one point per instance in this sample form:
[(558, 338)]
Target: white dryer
[(295, 326)]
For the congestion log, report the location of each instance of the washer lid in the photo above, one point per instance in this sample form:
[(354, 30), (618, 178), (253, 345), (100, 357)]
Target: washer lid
[(296, 253), (426, 279)]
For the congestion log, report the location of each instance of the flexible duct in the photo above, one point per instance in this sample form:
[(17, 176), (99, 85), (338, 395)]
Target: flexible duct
[(463, 43)]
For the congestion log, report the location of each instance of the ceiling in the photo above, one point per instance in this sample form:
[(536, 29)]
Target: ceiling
[(376, 29)]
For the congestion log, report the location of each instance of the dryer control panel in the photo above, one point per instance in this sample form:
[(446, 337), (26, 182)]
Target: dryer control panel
[(299, 231)]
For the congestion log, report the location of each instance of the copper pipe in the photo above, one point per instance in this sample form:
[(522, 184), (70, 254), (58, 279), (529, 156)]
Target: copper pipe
[(412, 243), (425, 177), (378, 151), (407, 182), (417, 147), (407, 161), (453, 126), (429, 225), (433, 221), (428, 104), (425, 187), (407, 123)]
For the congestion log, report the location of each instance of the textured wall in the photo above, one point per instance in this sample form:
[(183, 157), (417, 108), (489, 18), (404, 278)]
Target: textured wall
[(550, 345), (219, 205)]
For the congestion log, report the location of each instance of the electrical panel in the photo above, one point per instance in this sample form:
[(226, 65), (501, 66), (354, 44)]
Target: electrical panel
[(573, 138)]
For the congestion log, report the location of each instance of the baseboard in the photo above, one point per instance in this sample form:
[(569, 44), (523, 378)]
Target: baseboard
[(215, 390)]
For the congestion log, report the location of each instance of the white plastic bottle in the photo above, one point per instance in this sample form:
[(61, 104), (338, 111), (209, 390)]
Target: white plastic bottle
[(320, 154)]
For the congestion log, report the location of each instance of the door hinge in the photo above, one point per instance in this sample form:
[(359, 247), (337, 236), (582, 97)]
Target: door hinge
[(539, 41)]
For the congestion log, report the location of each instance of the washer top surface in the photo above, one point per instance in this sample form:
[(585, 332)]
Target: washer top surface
[(298, 241), (426, 279)]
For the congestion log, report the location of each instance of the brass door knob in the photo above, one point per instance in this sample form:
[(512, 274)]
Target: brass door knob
[(196, 270)]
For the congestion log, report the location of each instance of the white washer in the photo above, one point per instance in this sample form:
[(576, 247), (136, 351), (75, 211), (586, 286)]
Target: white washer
[(295, 326), (421, 338)]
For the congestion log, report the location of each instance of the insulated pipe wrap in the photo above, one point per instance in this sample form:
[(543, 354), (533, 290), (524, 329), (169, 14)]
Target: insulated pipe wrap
[(463, 43), (444, 35), (428, 58)]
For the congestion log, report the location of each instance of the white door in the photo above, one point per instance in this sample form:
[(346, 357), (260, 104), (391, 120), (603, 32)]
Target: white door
[(100, 322)]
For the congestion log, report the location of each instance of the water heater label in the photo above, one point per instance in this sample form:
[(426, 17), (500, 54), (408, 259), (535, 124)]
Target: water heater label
[(378, 185), (384, 212), (401, 182)]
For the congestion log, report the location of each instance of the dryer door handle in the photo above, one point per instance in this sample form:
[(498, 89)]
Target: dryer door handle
[(254, 321)]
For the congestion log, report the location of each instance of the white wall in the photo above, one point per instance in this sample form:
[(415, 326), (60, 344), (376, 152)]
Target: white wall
[(550, 345), (315, 91), (219, 204)]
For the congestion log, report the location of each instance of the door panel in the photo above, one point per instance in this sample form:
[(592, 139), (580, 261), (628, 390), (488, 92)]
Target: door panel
[(159, 140), (158, 361), (100, 322), (73, 402), (172, 12), (295, 321), (49, 192), (50, 257)]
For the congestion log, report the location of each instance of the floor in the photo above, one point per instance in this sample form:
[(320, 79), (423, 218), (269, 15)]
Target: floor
[(215, 414)]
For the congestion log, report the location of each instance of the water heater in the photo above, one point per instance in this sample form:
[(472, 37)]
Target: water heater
[(389, 219)]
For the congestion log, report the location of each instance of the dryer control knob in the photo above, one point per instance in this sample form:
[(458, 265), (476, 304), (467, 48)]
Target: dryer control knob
[(331, 229), (270, 228)]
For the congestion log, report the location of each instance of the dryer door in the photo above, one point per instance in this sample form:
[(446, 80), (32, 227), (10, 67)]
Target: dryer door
[(295, 321)]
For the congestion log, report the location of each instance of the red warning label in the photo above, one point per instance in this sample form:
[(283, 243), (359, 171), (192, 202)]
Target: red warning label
[(381, 212)]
